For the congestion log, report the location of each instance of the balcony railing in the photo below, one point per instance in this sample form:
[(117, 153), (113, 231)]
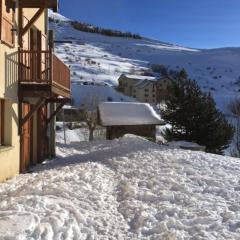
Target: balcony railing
[(43, 67)]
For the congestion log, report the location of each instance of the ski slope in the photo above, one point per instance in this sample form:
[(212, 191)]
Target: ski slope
[(98, 59)]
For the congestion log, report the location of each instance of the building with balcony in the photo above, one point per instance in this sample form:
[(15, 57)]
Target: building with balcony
[(34, 85), (144, 89)]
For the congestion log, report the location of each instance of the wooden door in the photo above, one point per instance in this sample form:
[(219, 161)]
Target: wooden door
[(25, 140), (42, 138)]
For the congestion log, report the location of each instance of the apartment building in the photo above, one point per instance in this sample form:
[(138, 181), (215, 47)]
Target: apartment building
[(34, 85), (145, 89)]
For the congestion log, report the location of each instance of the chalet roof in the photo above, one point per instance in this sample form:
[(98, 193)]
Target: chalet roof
[(142, 83), (128, 114), (140, 77)]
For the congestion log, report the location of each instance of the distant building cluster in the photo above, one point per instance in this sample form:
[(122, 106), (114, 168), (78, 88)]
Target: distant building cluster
[(144, 89)]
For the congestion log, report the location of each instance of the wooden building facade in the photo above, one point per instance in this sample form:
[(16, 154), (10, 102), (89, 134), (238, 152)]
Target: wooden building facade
[(34, 85), (144, 89)]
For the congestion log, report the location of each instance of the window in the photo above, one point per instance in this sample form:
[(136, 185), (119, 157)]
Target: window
[(2, 110), (146, 95), (146, 90), (7, 25)]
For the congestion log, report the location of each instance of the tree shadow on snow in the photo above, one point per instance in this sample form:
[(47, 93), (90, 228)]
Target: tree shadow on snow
[(96, 152)]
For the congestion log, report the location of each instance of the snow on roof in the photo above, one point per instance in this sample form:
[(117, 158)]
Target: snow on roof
[(57, 16), (140, 77), (142, 84), (128, 114)]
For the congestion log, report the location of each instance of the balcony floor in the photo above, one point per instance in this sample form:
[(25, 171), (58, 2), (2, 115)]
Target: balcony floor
[(34, 89)]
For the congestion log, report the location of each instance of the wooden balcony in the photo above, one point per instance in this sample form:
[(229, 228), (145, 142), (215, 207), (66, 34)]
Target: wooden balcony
[(41, 73), (53, 4)]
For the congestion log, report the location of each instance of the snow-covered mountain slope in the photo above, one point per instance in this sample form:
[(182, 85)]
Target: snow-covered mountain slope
[(98, 58), (124, 189)]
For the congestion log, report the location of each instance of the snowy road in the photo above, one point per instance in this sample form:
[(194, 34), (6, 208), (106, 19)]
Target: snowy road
[(124, 189)]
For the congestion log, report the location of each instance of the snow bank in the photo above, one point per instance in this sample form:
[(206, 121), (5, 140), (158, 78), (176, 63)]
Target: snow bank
[(186, 145), (124, 189)]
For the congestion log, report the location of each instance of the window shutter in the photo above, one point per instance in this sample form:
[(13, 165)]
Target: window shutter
[(7, 25)]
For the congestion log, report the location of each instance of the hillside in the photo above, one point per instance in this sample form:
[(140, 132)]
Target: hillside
[(128, 188), (101, 59)]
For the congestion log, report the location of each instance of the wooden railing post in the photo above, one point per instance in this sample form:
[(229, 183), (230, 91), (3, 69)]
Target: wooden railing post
[(43, 67), (51, 66)]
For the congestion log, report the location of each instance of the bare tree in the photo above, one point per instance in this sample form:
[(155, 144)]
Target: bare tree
[(90, 117), (89, 114)]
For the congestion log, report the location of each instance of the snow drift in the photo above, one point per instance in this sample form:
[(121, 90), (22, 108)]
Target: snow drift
[(124, 189)]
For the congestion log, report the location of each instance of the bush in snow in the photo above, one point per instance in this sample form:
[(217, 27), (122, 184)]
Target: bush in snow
[(194, 116)]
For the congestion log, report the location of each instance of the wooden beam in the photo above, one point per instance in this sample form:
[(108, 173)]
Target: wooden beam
[(58, 100), (51, 39), (55, 112), (53, 4), (32, 21), (10, 4), (39, 104), (20, 26), (56, 90)]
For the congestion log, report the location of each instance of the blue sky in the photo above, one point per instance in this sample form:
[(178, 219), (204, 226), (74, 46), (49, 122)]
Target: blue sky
[(193, 23)]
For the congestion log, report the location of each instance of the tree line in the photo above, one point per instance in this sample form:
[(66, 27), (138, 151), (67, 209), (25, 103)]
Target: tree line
[(85, 27)]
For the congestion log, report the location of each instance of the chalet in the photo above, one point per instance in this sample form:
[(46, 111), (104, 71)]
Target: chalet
[(34, 85), (128, 118), (144, 88)]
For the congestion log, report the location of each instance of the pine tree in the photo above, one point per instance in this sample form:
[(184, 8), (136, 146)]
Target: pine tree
[(194, 116)]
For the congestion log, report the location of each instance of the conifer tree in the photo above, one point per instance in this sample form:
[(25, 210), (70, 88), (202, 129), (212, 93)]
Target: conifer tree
[(194, 116)]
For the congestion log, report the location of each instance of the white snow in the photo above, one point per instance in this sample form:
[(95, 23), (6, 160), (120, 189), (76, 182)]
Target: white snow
[(185, 145), (86, 93), (126, 113), (57, 17), (127, 189), (101, 59), (139, 77), (77, 135)]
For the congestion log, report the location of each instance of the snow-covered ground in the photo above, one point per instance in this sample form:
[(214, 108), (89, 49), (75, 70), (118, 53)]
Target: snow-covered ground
[(78, 135), (124, 189), (95, 58)]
